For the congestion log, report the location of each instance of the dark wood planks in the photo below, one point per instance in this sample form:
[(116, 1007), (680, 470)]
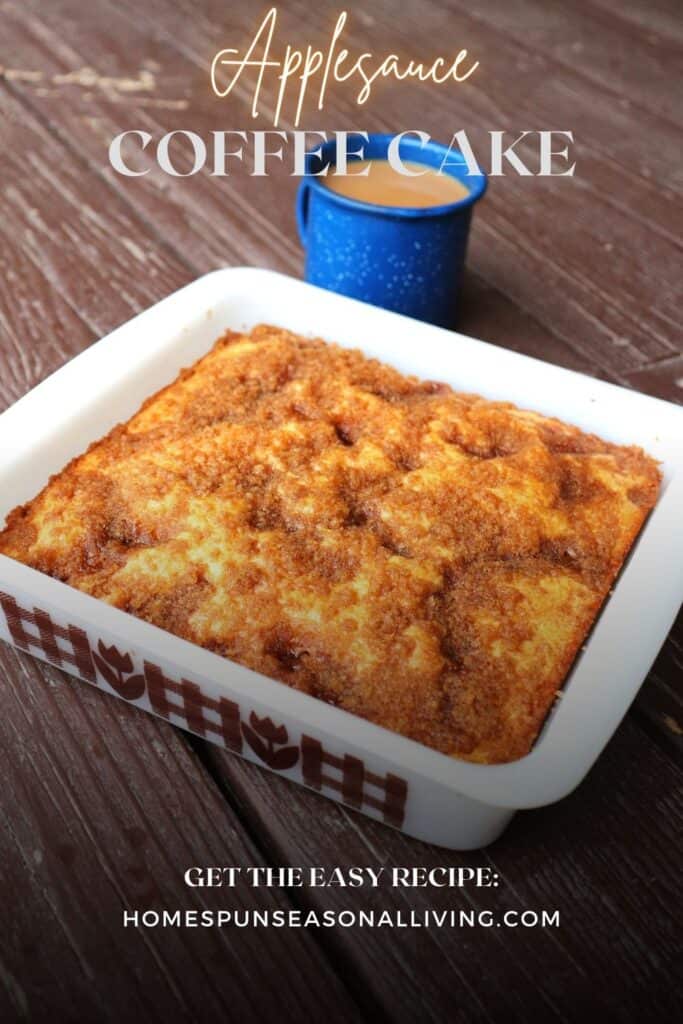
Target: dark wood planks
[(601, 857), (90, 249), (664, 379), (609, 53), (660, 701), (39, 329), (566, 274), (103, 808), (519, 258), (210, 222), (533, 238), (661, 17)]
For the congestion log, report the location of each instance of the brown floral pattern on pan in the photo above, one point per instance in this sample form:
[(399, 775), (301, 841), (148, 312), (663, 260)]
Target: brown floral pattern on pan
[(428, 560), (185, 703)]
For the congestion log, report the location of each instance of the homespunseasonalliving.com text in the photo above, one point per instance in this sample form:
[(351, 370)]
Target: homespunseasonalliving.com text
[(293, 918)]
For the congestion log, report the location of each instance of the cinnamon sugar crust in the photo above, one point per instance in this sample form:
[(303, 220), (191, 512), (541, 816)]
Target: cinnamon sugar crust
[(428, 560)]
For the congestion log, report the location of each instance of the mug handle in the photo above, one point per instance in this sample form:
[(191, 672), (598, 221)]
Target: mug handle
[(302, 210)]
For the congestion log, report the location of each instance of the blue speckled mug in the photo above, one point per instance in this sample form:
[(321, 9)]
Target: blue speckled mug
[(405, 259)]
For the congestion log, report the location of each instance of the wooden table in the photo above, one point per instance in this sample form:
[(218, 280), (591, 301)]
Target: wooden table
[(104, 807)]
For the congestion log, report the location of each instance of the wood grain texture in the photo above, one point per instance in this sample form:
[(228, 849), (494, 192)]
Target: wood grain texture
[(90, 248), (585, 273), (209, 222), (102, 810), (590, 43), (596, 857), (661, 17), (39, 330), (572, 239), (660, 700), (514, 247), (664, 379)]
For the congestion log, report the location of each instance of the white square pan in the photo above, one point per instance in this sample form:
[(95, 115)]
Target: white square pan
[(426, 794)]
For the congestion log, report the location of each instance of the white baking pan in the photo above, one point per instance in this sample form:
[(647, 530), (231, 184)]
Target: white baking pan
[(393, 779)]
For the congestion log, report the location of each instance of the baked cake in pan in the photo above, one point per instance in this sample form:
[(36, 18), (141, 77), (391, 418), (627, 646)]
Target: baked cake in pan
[(428, 560)]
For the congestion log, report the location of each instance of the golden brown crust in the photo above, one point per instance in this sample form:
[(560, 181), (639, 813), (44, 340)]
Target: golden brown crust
[(428, 560)]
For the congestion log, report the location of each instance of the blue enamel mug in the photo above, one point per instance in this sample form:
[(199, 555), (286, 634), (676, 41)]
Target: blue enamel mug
[(409, 260)]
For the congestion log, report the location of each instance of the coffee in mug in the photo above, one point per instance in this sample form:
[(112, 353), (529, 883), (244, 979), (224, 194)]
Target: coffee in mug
[(385, 186), (390, 239)]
